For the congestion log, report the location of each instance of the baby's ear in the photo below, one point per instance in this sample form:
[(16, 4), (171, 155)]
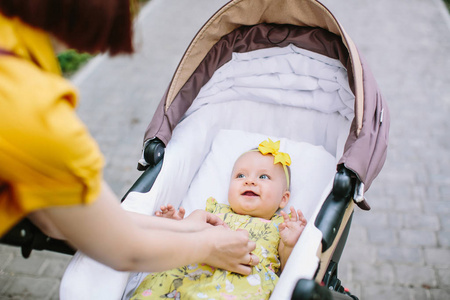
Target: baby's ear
[(285, 199)]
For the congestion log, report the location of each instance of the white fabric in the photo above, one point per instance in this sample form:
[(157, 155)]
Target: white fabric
[(308, 106), (284, 76)]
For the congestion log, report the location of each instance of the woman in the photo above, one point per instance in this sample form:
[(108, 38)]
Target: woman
[(51, 168)]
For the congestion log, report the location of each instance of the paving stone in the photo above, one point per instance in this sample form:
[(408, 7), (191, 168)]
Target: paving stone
[(439, 257), (375, 218), (444, 278), (5, 259), (414, 276), (358, 233), (417, 238), (444, 221), (444, 239), (400, 254), (440, 207), (396, 220), (31, 287), (20, 265), (408, 205), (5, 282), (377, 292), (440, 294), (377, 274), (357, 253), (383, 236), (421, 221)]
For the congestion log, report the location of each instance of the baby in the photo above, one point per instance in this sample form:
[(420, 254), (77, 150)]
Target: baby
[(259, 187)]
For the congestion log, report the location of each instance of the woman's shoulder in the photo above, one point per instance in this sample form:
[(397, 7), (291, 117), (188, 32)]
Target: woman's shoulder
[(24, 81)]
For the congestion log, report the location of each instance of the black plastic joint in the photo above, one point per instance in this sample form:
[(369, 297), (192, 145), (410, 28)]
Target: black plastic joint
[(343, 183), (153, 153)]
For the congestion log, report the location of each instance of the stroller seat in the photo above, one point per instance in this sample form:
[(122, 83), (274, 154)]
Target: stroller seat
[(254, 96)]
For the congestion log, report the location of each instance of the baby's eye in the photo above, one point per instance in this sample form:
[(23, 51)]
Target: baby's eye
[(240, 176), (264, 176)]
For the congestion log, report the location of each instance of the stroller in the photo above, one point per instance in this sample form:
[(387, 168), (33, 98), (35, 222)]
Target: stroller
[(279, 69)]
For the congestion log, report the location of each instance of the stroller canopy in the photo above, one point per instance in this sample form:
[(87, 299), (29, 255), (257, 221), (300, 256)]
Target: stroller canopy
[(246, 25)]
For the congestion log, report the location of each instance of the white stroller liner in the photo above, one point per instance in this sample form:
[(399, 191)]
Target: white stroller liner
[(231, 115)]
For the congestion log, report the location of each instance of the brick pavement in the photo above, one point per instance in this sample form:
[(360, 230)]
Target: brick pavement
[(398, 250)]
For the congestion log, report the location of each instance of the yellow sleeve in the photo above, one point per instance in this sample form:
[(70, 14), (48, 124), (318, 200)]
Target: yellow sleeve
[(47, 156)]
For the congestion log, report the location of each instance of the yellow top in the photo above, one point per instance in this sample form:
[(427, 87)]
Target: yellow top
[(47, 157)]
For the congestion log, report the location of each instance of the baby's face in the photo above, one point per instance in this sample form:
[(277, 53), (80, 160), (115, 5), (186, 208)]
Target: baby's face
[(257, 186)]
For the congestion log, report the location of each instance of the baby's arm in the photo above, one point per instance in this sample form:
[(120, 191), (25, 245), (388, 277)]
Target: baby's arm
[(170, 212), (290, 231)]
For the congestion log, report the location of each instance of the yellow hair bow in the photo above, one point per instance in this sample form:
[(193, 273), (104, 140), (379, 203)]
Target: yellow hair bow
[(283, 158), (271, 147)]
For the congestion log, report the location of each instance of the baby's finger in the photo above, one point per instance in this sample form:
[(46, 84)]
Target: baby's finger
[(181, 212), (285, 216), (302, 217), (293, 214)]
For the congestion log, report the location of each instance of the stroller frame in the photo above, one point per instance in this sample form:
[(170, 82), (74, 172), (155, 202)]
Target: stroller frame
[(360, 164)]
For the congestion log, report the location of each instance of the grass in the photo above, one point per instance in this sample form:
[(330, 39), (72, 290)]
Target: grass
[(71, 61)]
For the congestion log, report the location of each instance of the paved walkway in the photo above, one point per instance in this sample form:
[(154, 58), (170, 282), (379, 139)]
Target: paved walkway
[(398, 250)]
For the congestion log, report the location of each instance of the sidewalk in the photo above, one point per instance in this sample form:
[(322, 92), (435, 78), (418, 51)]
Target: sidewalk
[(398, 250)]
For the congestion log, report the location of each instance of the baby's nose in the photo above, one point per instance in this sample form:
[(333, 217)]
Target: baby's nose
[(249, 181)]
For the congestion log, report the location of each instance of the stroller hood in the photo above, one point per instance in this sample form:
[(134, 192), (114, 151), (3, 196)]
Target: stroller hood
[(246, 25)]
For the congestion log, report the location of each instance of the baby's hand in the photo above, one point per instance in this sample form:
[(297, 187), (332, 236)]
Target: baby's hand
[(170, 212), (292, 227)]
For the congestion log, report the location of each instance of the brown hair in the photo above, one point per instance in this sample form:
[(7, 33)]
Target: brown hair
[(85, 25)]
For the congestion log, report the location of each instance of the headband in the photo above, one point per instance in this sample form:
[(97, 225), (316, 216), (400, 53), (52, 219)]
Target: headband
[(283, 158)]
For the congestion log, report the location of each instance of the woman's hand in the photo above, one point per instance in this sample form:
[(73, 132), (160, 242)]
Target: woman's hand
[(230, 250), (200, 220), (197, 220), (205, 217)]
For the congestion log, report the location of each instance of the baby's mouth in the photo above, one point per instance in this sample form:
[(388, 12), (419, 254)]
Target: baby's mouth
[(249, 193)]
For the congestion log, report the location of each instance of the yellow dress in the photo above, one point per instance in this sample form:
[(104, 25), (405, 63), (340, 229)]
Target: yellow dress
[(204, 282), (47, 157)]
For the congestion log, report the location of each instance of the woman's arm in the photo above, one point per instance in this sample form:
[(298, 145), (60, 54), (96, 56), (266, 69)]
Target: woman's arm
[(106, 233), (196, 221)]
